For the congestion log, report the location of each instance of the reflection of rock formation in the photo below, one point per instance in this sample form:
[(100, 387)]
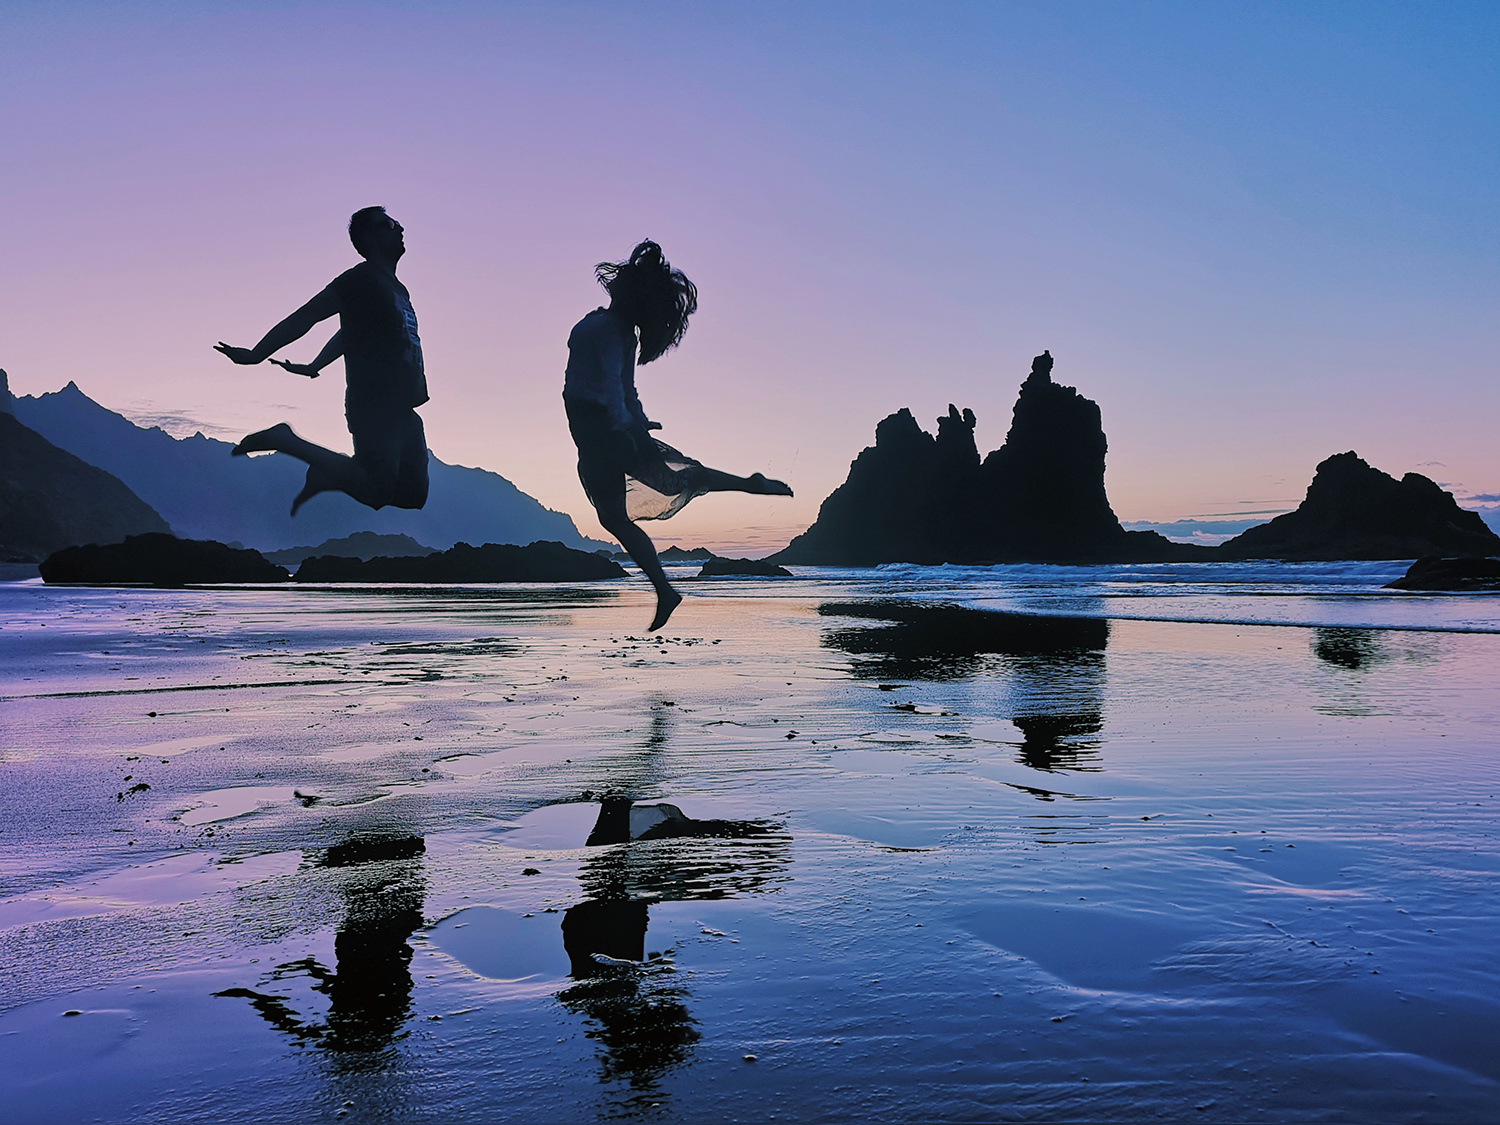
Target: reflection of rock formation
[(1356, 649), (1354, 511), (649, 854), (1039, 498), (369, 991), (640, 1019), (1052, 742), (938, 642)]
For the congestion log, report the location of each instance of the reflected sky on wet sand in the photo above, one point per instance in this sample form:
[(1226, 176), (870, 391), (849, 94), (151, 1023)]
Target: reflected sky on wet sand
[(446, 855)]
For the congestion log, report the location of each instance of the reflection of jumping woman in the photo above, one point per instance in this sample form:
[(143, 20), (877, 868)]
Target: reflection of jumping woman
[(627, 474)]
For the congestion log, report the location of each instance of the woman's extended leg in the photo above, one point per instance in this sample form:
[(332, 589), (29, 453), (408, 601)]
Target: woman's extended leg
[(701, 478)]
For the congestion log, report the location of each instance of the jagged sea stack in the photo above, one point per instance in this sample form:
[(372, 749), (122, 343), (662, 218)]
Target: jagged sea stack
[(915, 498), (1045, 486), (908, 498)]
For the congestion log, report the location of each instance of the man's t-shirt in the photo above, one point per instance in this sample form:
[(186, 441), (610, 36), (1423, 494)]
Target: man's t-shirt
[(382, 352)]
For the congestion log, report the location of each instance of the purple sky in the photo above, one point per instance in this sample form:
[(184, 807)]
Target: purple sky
[(1256, 234)]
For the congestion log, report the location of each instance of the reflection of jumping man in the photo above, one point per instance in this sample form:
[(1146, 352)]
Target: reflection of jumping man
[(382, 353)]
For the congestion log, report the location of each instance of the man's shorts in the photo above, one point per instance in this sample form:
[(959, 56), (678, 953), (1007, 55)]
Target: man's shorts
[(391, 447)]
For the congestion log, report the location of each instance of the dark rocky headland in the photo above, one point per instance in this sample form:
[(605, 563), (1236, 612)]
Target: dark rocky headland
[(1352, 510)]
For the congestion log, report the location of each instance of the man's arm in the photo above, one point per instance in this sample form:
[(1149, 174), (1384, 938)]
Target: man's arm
[(331, 351), (294, 327)]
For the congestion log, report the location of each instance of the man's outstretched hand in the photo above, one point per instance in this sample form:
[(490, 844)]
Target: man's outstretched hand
[(296, 368), (237, 355)]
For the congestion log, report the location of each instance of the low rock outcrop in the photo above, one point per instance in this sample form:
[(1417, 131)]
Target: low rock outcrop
[(160, 560), (360, 545), (1354, 511), (1450, 576), (717, 567), (1039, 498), (543, 561), (676, 554)]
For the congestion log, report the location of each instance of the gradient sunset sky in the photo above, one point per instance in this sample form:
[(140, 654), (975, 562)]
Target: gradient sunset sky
[(1256, 233)]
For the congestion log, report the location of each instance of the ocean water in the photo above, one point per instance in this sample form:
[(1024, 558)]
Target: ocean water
[(1150, 843)]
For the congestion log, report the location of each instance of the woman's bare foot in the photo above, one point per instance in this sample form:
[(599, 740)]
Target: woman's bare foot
[(761, 485), (264, 441), (666, 601)]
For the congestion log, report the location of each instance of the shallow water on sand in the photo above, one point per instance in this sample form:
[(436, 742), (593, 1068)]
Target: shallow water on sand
[(341, 854)]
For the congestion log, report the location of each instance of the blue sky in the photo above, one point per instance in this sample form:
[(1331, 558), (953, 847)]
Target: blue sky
[(1257, 234)]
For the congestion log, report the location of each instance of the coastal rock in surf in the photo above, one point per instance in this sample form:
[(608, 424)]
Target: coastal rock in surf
[(676, 554), (717, 567), (1354, 511), (1039, 498), (1451, 575), (160, 560), (544, 561), (50, 499)]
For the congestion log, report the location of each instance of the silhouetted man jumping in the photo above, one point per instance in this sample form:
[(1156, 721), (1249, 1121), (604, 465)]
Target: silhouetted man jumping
[(385, 382)]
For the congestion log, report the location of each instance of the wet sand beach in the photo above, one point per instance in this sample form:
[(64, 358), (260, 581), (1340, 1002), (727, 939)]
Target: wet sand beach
[(842, 848)]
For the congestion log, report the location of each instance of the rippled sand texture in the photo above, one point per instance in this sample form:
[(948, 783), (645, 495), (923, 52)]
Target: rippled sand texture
[(304, 855)]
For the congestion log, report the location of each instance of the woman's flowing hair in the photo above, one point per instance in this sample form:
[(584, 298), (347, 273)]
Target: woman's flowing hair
[(660, 298)]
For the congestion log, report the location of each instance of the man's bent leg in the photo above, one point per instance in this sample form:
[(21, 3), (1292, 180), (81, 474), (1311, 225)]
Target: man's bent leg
[(410, 487), (390, 450), (327, 471)]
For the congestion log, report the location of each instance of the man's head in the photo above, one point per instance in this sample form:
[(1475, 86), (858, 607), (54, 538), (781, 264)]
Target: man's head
[(375, 234)]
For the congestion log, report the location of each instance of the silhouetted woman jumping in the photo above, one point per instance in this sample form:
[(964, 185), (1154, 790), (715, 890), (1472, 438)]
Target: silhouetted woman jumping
[(627, 473)]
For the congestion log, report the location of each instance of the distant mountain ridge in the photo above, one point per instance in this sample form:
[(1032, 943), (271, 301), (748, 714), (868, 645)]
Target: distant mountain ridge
[(204, 493), (51, 499)]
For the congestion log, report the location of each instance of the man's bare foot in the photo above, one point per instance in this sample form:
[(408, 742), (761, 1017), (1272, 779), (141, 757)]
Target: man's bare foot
[(762, 485), (666, 601), (264, 441), (314, 484)]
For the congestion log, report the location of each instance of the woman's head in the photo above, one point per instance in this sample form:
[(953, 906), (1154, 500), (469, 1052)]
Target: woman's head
[(657, 299)]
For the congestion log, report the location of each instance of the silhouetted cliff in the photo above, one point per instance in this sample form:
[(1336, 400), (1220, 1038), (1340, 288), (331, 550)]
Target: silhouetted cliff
[(1039, 498), (50, 499), (1354, 511)]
